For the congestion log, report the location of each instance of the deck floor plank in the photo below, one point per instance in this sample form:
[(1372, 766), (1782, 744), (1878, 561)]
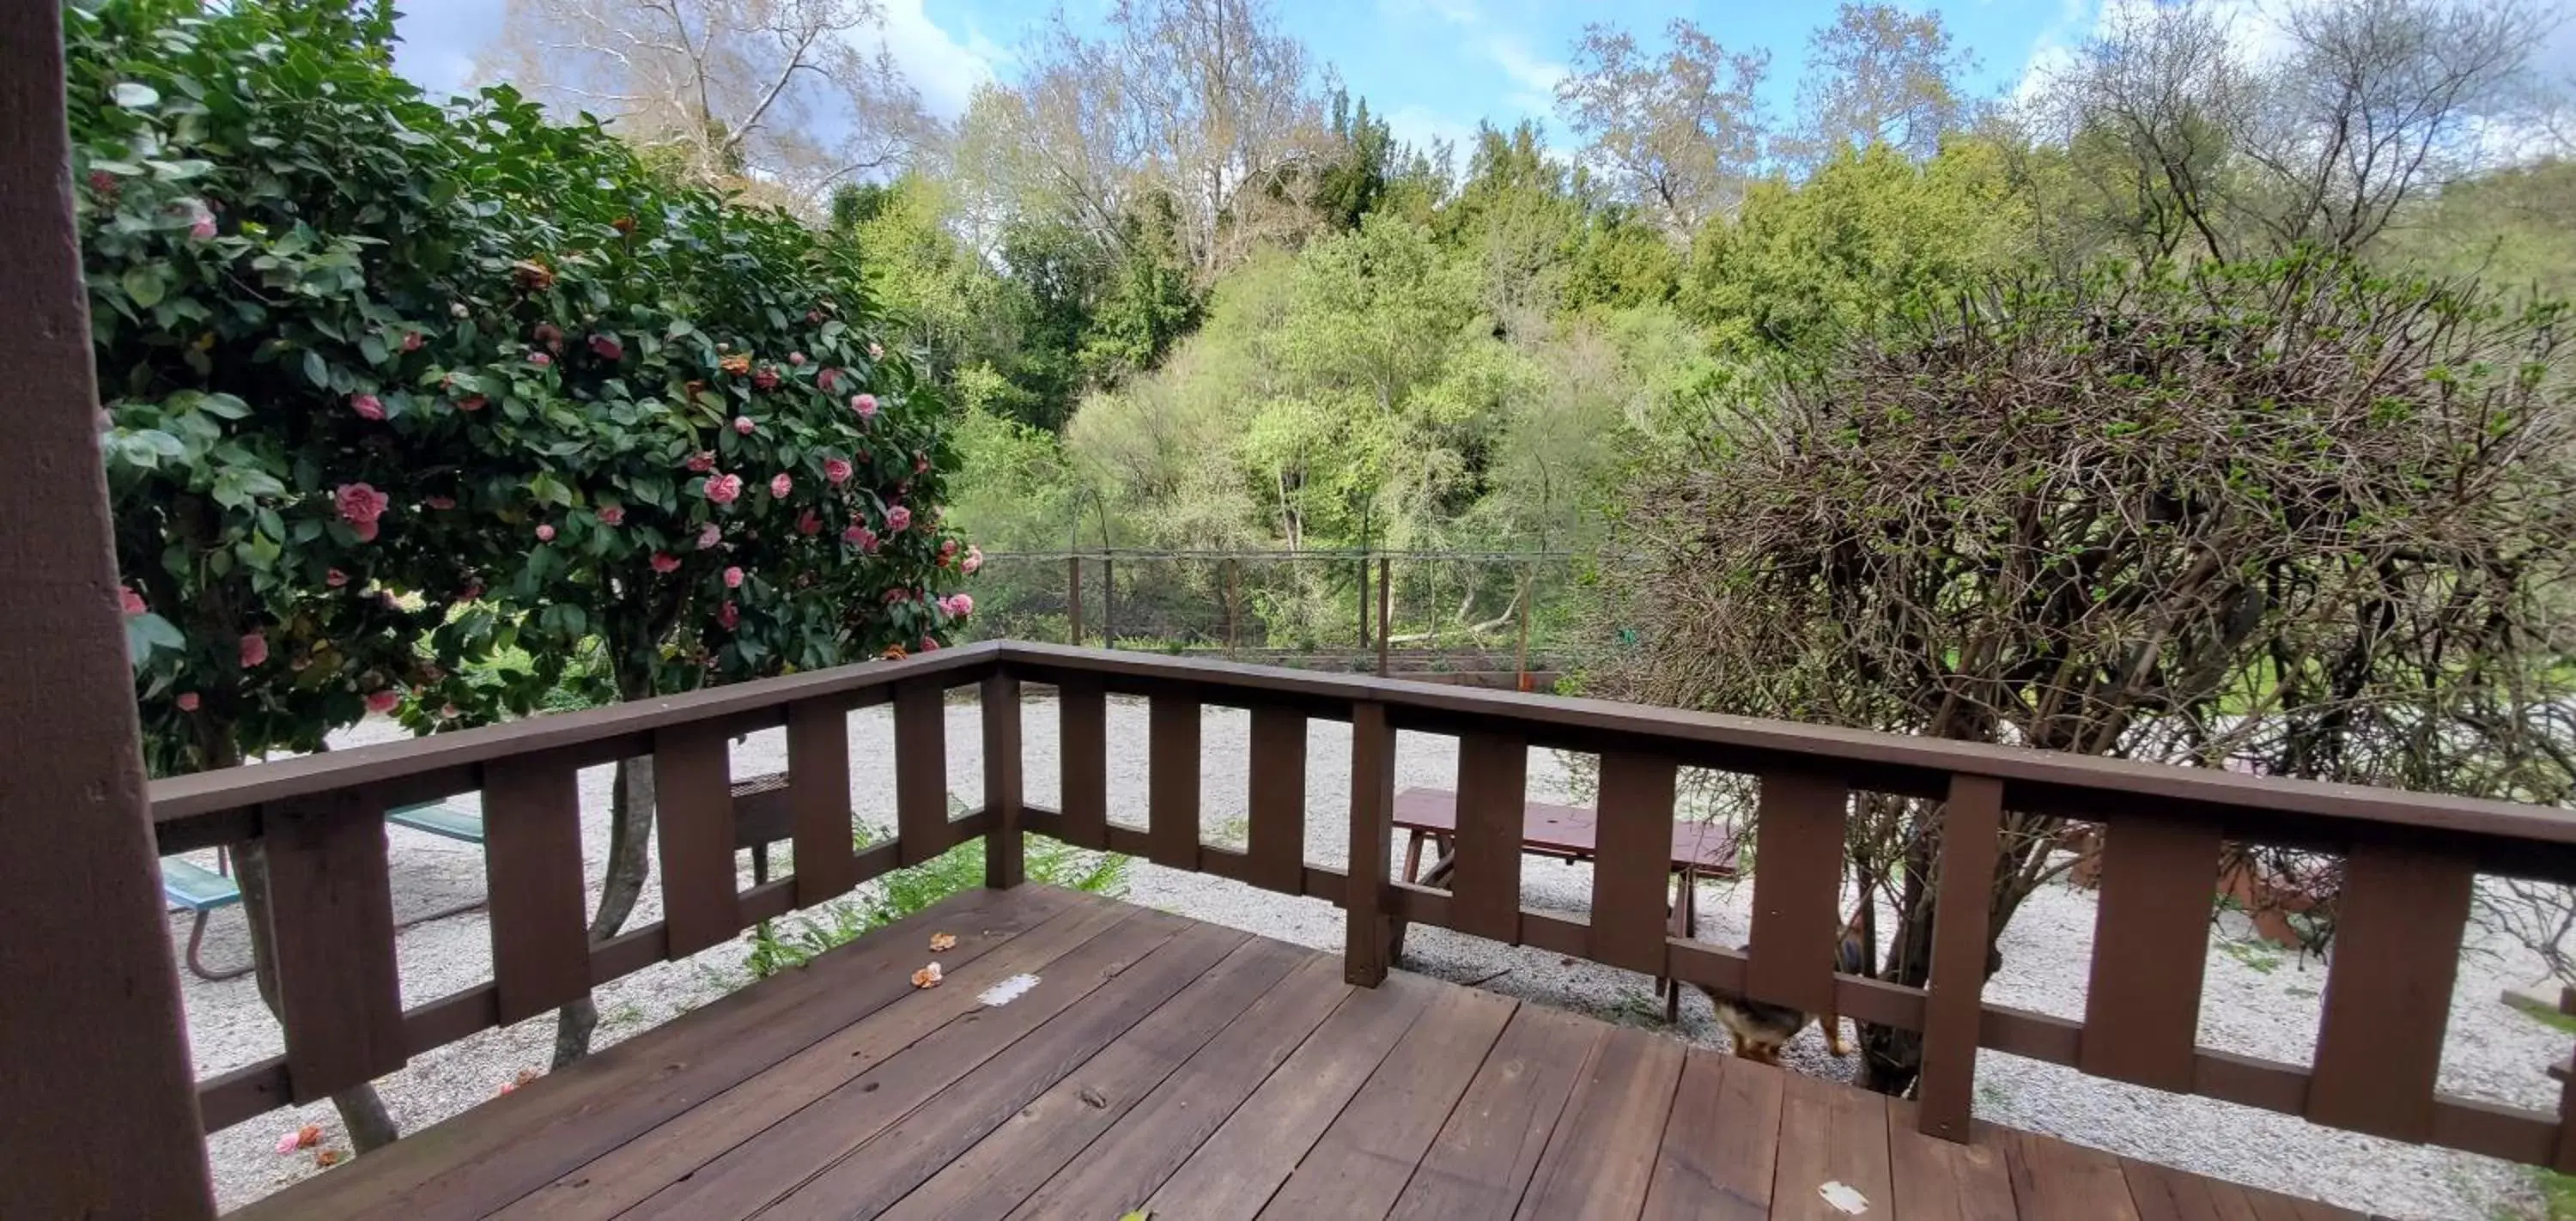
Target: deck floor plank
[(1601, 1159), (1101, 1104), (1491, 1145), (1721, 1143), (776, 1159), (1362, 1162), (622, 1176), (1201, 1073)]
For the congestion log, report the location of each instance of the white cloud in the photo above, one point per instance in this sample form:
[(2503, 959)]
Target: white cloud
[(1420, 126), (944, 70), (1536, 77)]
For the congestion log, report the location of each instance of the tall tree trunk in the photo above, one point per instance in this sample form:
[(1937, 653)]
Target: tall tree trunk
[(630, 827)]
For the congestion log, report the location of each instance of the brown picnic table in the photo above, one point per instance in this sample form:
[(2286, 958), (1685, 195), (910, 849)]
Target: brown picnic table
[(1566, 833)]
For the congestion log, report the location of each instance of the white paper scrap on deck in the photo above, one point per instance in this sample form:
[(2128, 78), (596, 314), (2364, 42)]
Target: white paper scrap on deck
[(1008, 990)]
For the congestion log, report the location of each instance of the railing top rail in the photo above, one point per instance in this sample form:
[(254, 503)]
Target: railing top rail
[(2034, 778), (177, 798)]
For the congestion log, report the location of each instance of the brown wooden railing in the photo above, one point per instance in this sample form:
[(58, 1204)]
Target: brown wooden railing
[(2410, 861)]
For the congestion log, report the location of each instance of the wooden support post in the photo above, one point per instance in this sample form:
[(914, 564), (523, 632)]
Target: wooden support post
[(98, 1109), (1364, 603), (1073, 597), (1108, 596), (1384, 628), (1233, 600), (1971, 830), (1366, 941), (1002, 790)]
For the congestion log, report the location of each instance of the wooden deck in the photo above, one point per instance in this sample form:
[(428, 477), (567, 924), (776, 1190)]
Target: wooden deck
[(1202, 1073)]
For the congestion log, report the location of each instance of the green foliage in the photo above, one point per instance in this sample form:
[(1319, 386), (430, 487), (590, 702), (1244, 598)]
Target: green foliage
[(390, 386), (791, 942)]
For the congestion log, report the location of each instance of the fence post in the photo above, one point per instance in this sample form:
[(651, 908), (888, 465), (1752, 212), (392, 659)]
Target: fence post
[(1073, 595), (1384, 628), (1529, 590), (1108, 591), (1233, 599), (1364, 623)]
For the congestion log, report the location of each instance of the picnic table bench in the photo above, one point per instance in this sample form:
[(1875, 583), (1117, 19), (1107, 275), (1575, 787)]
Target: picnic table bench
[(761, 817), (1569, 834)]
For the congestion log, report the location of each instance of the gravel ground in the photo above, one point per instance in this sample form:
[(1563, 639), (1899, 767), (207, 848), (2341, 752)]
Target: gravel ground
[(2256, 1001)]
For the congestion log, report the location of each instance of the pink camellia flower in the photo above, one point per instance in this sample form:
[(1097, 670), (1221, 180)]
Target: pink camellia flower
[(383, 701), (545, 534), (796, 358), (764, 378), (928, 645), (438, 502), (447, 712), (707, 536), (665, 562), (540, 359), (733, 577), (289, 1143), (612, 515), (254, 649), (780, 485), (606, 347), (742, 425), (836, 469), (825, 380), (472, 402), (702, 461), (203, 229), (898, 596), (947, 547), (808, 523), (974, 560), (724, 489), (360, 505), (860, 536), (335, 578), (865, 405), (187, 701), (728, 615), (103, 182), (898, 519), (958, 605), (875, 352), (130, 600), (412, 340), (920, 462), (368, 406)]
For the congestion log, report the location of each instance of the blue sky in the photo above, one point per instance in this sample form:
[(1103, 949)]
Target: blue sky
[(1434, 67)]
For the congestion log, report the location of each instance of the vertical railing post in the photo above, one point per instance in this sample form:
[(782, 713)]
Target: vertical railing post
[(1233, 600), (1520, 666), (1002, 789), (1971, 826), (1362, 565), (1073, 597), (1108, 597), (1366, 930)]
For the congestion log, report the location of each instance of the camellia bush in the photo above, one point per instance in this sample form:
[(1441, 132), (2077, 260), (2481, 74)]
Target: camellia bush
[(390, 386)]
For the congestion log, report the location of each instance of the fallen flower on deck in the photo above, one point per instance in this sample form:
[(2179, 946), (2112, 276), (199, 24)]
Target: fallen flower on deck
[(941, 943), (302, 1138), (327, 1158), (1008, 990), (927, 977), (1845, 1198)]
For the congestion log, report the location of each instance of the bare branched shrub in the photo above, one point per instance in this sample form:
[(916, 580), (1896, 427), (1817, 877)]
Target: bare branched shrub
[(2284, 517)]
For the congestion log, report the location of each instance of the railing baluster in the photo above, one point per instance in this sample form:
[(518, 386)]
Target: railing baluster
[(2150, 939), (920, 772), (532, 866), (818, 800), (2388, 991), (1002, 789), (1635, 842), (331, 921), (1797, 885), (1172, 782), (1971, 834), (694, 830), (1366, 928), (1084, 747), (1493, 786), (1276, 804)]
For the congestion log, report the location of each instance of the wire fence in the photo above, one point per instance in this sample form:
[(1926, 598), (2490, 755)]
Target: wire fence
[(1410, 612)]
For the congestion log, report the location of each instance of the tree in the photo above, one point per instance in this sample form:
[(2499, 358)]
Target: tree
[(1878, 75), (2288, 517), (391, 385), (788, 95), (1677, 137)]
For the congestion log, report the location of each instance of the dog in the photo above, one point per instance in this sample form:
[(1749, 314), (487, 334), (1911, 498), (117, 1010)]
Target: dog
[(1761, 1029)]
